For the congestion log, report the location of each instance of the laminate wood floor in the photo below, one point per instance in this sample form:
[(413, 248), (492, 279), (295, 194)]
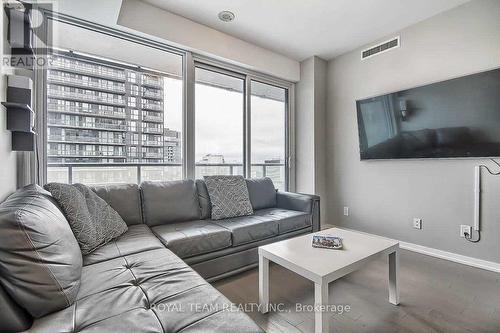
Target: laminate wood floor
[(436, 296)]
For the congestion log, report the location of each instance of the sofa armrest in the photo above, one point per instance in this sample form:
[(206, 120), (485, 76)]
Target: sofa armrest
[(306, 203), (13, 318)]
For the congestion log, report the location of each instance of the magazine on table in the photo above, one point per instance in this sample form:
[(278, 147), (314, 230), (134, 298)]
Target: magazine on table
[(327, 242)]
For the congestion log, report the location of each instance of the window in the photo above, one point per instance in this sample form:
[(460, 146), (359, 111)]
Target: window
[(131, 101), (117, 111), (107, 109), (219, 104)]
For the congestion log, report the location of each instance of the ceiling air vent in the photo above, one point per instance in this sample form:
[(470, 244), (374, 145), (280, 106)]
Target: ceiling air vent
[(380, 48)]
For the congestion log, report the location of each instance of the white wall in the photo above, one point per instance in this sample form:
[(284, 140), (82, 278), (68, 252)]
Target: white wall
[(8, 172), (310, 118), (384, 196)]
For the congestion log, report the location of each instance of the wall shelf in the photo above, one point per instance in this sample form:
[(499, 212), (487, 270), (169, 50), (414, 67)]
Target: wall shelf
[(20, 117)]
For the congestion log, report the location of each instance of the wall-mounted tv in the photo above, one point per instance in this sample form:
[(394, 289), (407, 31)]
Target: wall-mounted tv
[(453, 118)]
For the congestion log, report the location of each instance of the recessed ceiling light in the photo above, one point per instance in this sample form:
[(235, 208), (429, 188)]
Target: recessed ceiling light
[(226, 16)]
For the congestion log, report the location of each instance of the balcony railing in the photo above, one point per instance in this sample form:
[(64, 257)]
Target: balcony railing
[(107, 173), (152, 130), (81, 124), (86, 139), (85, 97), (152, 94), (51, 107), (75, 66), (153, 143), (152, 155), (155, 82), (83, 153), (101, 84), (152, 106), (152, 118)]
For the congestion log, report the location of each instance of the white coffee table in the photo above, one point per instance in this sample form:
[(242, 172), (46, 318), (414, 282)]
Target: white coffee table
[(323, 266)]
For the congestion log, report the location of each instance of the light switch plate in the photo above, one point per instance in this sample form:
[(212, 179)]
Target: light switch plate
[(346, 211)]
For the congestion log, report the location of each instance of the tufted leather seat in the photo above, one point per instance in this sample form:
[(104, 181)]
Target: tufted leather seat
[(149, 291), (137, 282), (138, 238)]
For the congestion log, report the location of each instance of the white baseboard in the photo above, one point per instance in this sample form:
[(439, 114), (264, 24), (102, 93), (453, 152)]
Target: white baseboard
[(429, 251), (458, 258), (327, 226)]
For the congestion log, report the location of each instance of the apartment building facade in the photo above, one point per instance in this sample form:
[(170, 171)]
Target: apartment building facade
[(100, 112)]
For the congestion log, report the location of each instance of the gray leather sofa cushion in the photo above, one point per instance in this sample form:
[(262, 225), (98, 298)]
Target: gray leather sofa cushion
[(247, 229), (204, 199), (169, 202), (288, 220), (138, 238), (40, 259), (152, 291), (187, 239), (124, 198), (262, 193)]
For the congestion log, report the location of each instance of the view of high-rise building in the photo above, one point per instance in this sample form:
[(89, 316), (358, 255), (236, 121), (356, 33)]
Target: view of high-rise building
[(102, 112)]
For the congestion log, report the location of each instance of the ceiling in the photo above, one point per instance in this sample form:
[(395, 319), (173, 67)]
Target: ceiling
[(300, 29)]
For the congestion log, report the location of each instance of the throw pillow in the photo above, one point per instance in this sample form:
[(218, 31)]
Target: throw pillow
[(93, 222), (228, 196)]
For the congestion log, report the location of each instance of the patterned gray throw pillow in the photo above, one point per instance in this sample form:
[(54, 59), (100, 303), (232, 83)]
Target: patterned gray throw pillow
[(93, 222), (228, 196)]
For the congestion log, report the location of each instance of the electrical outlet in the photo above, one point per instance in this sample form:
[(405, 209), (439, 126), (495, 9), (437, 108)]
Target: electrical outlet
[(346, 211), (465, 229), (417, 223)]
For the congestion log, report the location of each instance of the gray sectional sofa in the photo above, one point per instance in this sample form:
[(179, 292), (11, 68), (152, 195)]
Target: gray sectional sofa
[(166, 257)]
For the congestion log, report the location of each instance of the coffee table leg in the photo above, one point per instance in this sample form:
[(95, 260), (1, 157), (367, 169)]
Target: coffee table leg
[(393, 277), (320, 303), (263, 283)]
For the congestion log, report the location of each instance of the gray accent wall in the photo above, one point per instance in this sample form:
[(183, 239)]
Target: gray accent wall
[(384, 196), (304, 128), (310, 123), (8, 172)]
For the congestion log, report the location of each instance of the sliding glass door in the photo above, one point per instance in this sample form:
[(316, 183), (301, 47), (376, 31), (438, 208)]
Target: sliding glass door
[(268, 132), (240, 126), (219, 109)]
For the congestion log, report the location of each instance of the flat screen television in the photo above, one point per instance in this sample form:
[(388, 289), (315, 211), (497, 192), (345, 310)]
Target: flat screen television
[(453, 118)]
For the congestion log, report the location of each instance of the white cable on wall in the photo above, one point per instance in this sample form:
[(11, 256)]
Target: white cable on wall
[(477, 198)]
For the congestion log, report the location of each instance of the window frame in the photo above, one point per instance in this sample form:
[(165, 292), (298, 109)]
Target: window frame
[(190, 61)]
